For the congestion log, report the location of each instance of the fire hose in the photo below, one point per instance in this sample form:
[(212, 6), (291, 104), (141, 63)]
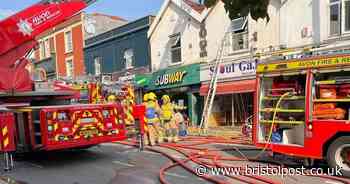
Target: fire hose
[(201, 156)]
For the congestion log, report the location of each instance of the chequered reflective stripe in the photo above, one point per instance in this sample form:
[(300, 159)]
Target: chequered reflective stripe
[(5, 136), (55, 128), (76, 124)]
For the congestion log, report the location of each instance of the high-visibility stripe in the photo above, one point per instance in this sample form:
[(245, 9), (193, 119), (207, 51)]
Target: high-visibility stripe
[(316, 62), (4, 130), (6, 142), (55, 126)]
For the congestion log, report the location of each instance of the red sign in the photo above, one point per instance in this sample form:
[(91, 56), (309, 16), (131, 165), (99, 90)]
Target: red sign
[(28, 23)]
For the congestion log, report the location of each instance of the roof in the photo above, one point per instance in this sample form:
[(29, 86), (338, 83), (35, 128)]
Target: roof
[(110, 16), (196, 6), (130, 27), (197, 14)]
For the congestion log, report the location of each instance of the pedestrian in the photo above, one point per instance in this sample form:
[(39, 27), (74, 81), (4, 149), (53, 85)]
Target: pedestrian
[(180, 122)]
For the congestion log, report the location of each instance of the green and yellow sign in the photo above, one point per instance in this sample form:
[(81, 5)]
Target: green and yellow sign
[(175, 77), (304, 64), (169, 79)]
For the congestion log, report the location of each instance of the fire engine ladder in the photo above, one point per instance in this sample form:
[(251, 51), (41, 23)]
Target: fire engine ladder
[(212, 86)]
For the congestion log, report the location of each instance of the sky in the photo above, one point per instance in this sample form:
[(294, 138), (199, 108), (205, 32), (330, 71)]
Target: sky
[(127, 9)]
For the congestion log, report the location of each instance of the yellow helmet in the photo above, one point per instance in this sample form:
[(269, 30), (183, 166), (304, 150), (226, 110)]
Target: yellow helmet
[(152, 96), (111, 98), (166, 98)]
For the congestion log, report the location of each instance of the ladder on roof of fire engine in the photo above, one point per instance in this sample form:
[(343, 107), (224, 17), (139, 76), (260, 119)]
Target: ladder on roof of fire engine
[(212, 86)]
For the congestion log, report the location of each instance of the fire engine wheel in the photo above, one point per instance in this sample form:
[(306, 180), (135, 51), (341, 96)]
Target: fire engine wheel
[(338, 155)]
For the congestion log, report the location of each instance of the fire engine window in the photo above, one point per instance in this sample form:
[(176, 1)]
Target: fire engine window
[(331, 95), (105, 113), (282, 109), (62, 116)]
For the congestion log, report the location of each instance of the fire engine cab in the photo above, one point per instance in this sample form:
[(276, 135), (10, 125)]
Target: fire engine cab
[(303, 108)]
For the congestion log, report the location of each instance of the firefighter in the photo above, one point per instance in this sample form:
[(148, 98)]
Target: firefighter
[(128, 102), (153, 129), (167, 118)]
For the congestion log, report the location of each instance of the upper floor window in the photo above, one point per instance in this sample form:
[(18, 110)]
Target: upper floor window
[(97, 64), (239, 34), (68, 41), (129, 57), (45, 50), (334, 11), (175, 48), (42, 49), (347, 15), (69, 68), (339, 17)]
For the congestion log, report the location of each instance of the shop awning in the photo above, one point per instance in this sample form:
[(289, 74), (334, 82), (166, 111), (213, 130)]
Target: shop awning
[(244, 86)]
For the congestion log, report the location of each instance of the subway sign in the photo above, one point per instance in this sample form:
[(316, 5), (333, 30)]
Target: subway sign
[(172, 78)]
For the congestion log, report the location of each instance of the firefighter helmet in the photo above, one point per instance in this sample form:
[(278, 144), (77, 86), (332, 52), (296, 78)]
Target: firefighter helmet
[(111, 98), (152, 96), (166, 98)]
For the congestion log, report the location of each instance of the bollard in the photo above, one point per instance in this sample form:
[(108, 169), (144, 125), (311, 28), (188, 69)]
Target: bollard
[(139, 116)]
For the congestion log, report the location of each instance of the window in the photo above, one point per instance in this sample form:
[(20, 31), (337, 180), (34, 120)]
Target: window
[(334, 28), (97, 63), (239, 35), (42, 50), (69, 68), (175, 48), (47, 48), (347, 15), (339, 17), (129, 57), (69, 41)]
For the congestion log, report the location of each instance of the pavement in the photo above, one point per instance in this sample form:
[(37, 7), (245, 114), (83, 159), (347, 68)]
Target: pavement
[(118, 164)]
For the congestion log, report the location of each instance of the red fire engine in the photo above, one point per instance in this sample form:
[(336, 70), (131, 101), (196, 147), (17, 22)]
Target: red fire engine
[(32, 120), (303, 109)]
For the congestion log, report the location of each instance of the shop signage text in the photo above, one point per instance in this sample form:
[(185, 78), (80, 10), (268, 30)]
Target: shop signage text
[(231, 70), (175, 77), (169, 79)]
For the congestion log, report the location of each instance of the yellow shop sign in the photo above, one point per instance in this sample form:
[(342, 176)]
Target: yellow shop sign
[(171, 78), (303, 64)]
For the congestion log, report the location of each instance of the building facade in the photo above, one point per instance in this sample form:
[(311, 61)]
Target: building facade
[(175, 51), (122, 52), (186, 33), (239, 40), (60, 52)]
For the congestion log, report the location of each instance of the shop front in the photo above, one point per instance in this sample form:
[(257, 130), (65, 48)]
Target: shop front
[(233, 103), (182, 84)]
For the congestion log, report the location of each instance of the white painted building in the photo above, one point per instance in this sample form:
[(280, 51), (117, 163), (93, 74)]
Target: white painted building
[(174, 42), (240, 39), (174, 34)]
